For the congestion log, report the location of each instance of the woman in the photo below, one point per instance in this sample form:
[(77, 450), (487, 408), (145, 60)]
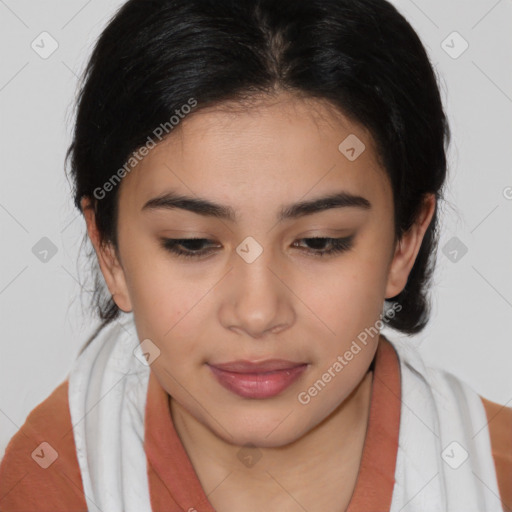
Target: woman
[(260, 182)]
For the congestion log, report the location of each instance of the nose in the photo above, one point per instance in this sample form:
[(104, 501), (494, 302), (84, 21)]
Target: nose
[(256, 301)]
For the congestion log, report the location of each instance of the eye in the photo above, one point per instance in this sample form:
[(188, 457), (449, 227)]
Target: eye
[(192, 246), (195, 247), (335, 245)]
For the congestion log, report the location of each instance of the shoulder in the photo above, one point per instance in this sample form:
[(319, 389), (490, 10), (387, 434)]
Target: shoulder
[(499, 419), (39, 470)]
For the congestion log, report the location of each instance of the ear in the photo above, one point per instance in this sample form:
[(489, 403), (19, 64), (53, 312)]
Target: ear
[(408, 247), (109, 263)]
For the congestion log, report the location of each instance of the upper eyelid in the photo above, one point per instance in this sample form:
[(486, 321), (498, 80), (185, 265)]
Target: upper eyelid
[(338, 245), (346, 239), (300, 238)]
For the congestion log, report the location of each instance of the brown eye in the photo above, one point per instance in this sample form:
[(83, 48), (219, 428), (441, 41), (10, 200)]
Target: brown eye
[(194, 247), (316, 245)]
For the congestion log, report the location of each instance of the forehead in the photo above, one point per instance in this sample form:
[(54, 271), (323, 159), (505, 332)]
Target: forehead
[(275, 151)]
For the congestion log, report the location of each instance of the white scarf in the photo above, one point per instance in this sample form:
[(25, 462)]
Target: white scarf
[(107, 399)]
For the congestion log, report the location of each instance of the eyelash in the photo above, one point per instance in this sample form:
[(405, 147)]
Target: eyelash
[(338, 245)]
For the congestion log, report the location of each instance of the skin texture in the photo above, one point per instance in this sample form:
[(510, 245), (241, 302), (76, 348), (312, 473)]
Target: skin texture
[(286, 304)]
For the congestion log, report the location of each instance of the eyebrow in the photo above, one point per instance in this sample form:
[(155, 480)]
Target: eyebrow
[(172, 200)]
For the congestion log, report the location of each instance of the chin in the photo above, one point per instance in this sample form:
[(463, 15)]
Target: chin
[(260, 440), (263, 433)]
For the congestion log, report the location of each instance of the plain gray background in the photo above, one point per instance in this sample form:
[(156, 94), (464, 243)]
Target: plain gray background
[(42, 322)]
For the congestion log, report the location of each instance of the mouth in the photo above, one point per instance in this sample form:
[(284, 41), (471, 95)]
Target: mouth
[(257, 380)]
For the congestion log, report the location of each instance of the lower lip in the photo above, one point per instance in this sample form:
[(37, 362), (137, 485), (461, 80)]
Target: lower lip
[(258, 385)]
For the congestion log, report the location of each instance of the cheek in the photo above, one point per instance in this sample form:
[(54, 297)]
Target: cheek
[(349, 295), (159, 294), (349, 300), (170, 308)]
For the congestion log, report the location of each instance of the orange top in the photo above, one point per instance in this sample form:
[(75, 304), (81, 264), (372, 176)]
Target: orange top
[(47, 478)]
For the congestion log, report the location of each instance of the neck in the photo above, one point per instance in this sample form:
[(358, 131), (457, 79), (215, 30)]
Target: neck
[(330, 452)]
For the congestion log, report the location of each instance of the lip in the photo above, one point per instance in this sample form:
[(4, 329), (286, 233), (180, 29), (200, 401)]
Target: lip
[(257, 380), (245, 366)]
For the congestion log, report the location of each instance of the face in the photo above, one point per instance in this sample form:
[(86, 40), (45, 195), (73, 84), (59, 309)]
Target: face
[(255, 286)]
